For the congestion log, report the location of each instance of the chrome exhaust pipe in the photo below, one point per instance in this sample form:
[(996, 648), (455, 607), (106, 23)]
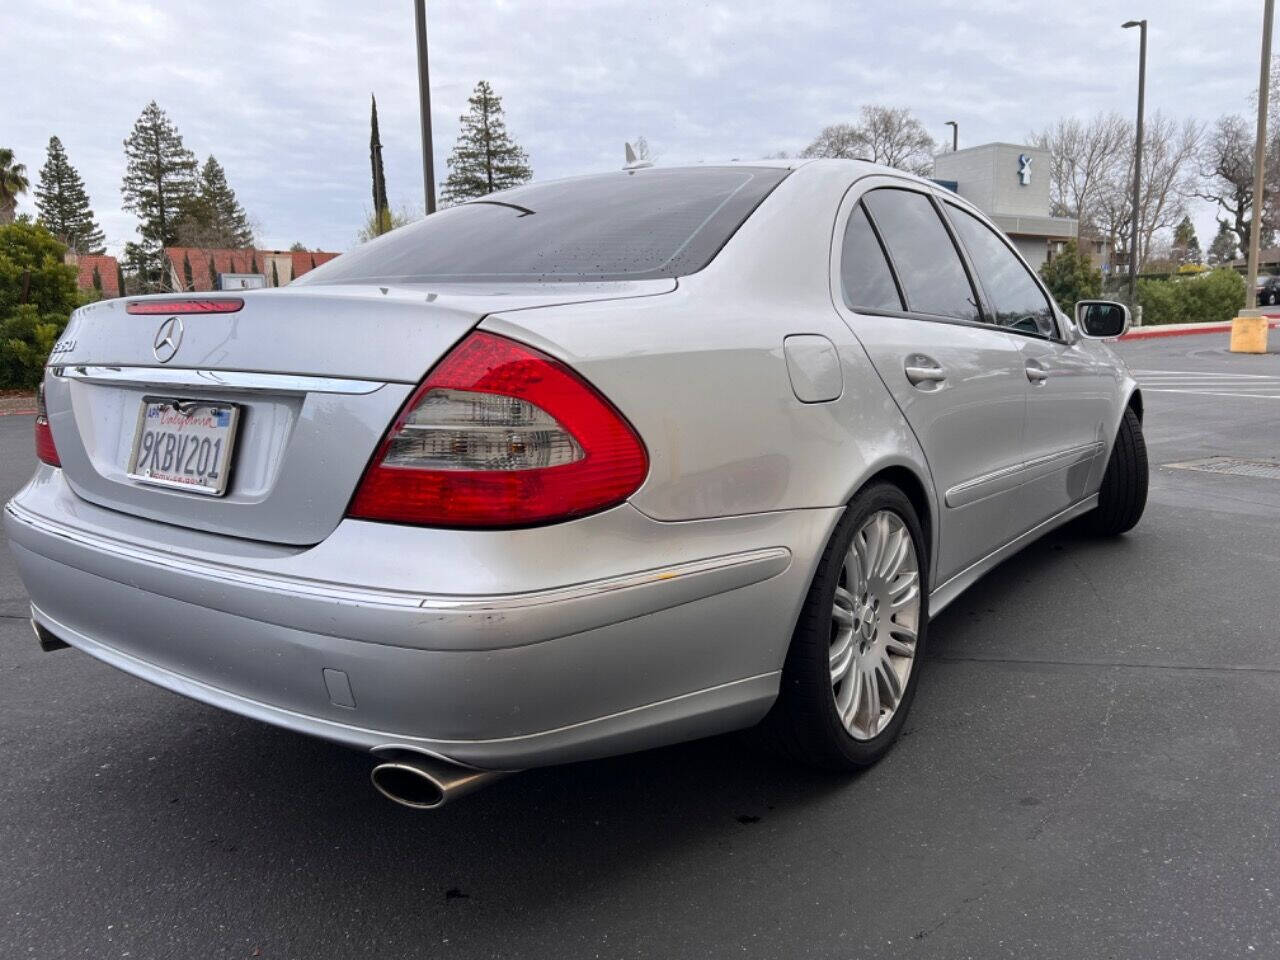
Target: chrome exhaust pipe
[(425, 783)]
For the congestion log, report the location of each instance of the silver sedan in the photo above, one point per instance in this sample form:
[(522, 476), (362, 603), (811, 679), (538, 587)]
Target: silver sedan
[(581, 468)]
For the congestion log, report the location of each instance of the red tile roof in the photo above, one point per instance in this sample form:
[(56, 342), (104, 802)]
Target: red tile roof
[(108, 272), (238, 261)]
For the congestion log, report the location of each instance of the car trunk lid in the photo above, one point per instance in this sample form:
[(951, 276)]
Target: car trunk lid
[(315, 375)]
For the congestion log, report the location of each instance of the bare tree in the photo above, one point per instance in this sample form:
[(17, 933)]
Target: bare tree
[(1084, 156), (1169, 155), (843, 140), (897, 139), (1226, 178), (888, 135)]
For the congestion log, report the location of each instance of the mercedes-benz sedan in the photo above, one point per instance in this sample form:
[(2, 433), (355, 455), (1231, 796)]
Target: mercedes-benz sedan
[(580, 468)]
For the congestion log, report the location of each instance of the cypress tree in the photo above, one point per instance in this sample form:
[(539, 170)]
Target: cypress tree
[(253, 264), (186, 272), (159, 182), (213, 274), (379, 176), (275, 275), (63, 204), (119, 279), (485, 158), (97, 279)]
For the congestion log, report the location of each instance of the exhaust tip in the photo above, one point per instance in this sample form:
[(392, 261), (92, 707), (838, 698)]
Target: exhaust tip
[(48, 642), (408, 785)]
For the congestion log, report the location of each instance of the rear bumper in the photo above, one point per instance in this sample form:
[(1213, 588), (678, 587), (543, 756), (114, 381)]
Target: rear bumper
[(614, 633)]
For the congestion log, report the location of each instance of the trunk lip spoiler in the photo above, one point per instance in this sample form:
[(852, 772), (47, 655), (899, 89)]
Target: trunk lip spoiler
[(215, 379)]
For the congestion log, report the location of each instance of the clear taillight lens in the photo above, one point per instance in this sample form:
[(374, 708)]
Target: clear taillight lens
[(464, 430), (501, 435), (46, 450)]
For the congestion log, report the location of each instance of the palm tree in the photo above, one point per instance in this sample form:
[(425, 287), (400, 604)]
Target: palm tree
[(13, 183)]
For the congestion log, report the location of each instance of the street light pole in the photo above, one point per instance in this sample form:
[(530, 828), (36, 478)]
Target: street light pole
[(1137, 162), (1260, 155), (424, 105), (955, 135)]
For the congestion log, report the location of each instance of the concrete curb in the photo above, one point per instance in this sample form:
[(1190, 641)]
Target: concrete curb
[(15, 413), (1184, 329)]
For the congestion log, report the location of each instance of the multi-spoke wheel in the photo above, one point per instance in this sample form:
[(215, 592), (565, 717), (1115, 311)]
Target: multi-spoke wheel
[(850, 673), (873, 624)]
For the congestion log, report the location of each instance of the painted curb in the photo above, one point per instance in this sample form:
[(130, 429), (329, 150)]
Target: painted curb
[(1148, 333), (15, 413)]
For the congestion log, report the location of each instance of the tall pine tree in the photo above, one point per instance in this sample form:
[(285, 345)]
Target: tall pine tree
[(485, 157), (381, 210), (63, 204), (159, 182), (213, 218)]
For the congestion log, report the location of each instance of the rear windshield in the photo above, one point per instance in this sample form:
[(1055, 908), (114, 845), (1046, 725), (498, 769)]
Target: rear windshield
[(631, 225)]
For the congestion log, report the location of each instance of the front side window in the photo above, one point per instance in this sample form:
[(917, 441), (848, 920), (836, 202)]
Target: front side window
[(1016, 299), (864, 272), (928, 264)]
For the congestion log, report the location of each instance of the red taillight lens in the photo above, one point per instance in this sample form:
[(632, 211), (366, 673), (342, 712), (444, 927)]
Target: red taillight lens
[(170, 307), (46, 450), (501, 435)]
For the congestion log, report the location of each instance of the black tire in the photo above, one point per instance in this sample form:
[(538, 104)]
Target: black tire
[(1123, 495), (804, 724)]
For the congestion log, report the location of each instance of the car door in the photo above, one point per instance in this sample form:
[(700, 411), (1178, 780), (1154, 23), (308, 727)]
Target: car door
[(903, 288), (1069, 392)]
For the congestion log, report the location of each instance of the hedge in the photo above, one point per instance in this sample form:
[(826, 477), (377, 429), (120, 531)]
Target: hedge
[(1214, 296)]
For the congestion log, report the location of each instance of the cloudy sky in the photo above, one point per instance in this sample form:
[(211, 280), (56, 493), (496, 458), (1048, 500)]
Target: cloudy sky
[(279, 91)]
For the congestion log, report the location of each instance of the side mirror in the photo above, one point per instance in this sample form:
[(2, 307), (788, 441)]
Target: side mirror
[(1102, 319)]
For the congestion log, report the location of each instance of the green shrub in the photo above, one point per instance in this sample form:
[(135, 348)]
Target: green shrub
[(26, 337), (1071, 276), (1214, 296), (37, 294)]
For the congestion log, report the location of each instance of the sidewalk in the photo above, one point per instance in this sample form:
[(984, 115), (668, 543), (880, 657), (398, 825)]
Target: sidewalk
[(17, 401)]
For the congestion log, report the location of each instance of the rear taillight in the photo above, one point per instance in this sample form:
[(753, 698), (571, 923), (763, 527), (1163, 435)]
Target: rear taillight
[(501, 435), (46, 450)]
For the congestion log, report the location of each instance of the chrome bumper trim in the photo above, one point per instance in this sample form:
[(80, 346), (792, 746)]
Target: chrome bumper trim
[(214, 379)]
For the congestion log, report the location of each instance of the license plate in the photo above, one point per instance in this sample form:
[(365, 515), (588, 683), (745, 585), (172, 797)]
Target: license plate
[(184, 444)]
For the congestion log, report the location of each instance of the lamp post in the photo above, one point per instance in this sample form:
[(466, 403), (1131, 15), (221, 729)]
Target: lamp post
[(955, 135), (424, 105), (1260, 155), (1137, 161)]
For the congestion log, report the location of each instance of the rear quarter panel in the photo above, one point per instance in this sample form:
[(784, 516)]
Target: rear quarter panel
[(701, 373)]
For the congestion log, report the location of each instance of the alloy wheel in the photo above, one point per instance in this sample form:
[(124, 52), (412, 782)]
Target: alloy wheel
[(874, 623)]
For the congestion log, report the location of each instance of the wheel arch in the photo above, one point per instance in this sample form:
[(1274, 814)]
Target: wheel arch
[(1134, 403)]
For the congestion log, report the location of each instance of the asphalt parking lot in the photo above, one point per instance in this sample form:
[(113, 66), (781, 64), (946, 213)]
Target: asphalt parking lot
[(1091, 769)]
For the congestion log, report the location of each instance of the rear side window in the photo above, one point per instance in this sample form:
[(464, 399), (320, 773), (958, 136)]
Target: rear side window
[(864, 272), (1015, 297), (636, 225), (928, 264)]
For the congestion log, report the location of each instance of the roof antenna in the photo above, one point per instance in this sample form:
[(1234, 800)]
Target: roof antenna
[(634, 162)]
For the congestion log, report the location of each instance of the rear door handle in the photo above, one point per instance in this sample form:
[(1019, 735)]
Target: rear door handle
[(921, 370)]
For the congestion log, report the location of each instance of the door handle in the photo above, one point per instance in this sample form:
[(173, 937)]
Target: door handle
[(1036, 373), (921, 370)]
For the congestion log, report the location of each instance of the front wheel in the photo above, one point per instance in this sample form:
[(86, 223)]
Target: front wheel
[(1123, 495), (850, 673)]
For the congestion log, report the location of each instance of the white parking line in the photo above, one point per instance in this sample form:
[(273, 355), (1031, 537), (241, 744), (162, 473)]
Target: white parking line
[(1208, 383)]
